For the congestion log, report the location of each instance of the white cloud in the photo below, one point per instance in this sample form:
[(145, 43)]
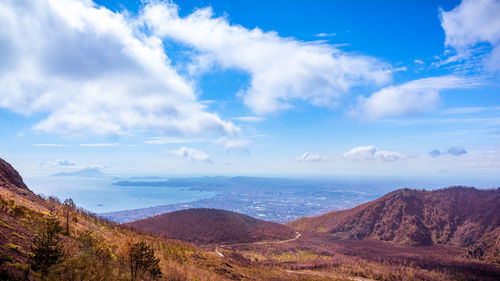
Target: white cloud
[(58, 164), (232, 144), (417, 61), (66, 163), (99, 144), (455, 151), (322, 34), (282, 70), (364, 153), (250, 119), (166, 140), (307, 157), (469, 110), (416, 96), (92, 71), (192, 154), (50, 145), (470, 23)]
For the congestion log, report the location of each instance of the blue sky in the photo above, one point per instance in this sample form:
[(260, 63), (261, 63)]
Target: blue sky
[(287, 88)]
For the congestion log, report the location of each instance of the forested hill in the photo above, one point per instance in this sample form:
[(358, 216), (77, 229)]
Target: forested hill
[(459, 216), (208, 226)]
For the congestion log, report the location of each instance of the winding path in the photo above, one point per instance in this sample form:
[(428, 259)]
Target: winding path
[(297, 236), (304, 272)]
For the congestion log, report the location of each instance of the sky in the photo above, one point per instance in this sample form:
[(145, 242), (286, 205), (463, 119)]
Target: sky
[(261, 88)]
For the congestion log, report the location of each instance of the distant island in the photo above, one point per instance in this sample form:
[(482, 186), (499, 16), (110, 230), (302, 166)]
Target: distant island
[(88, 172)]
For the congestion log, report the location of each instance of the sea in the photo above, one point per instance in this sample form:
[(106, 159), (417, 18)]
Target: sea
[(100, 195)]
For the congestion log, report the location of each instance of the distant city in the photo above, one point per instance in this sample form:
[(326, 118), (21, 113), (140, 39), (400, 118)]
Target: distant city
[(271, 199)]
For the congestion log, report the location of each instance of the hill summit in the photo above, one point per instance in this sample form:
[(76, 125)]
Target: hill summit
[(209, 226)]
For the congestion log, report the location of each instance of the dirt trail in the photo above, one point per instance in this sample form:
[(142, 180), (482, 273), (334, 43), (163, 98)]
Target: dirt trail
[(328, 275), (304, 272), (297, 236)]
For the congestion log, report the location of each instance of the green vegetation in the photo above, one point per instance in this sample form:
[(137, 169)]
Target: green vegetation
[(143, 261), (47, 250)]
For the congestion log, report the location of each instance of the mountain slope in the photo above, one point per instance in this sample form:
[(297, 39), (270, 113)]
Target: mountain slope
[(208, 226), (9, 176), (459, 216), (95, 249)]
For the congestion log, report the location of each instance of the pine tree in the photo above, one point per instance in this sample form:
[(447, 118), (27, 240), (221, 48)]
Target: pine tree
[(143, 260), (46, 248)]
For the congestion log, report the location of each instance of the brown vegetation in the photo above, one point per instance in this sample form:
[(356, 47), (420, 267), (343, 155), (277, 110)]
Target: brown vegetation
[(209, 226), (459, 216), (97, 249)]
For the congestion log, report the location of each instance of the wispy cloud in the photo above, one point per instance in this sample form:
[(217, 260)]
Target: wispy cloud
[(413, 97), (99, 144), (233, 144), (50, 145), (250, 119), (307, 157), (323, 35), (366, 153), (57, 163), (469, 110), (167, 140), (470, 23)]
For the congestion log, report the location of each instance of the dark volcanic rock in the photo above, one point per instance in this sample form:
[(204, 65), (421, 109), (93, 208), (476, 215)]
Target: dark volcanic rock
[(8, 175)]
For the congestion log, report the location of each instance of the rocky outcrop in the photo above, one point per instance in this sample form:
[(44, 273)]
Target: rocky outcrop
[(10, 177)]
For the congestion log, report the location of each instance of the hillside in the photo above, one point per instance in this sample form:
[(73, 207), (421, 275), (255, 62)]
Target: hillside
[(94, 248), (458, 216), (209, 226)]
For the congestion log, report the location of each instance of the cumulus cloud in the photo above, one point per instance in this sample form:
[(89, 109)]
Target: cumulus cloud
[(282, 70), (455, 150), (307, 157), (192, 154), (413, 97), (364, 153), (89, 70), (233, 144), (470, 23)]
